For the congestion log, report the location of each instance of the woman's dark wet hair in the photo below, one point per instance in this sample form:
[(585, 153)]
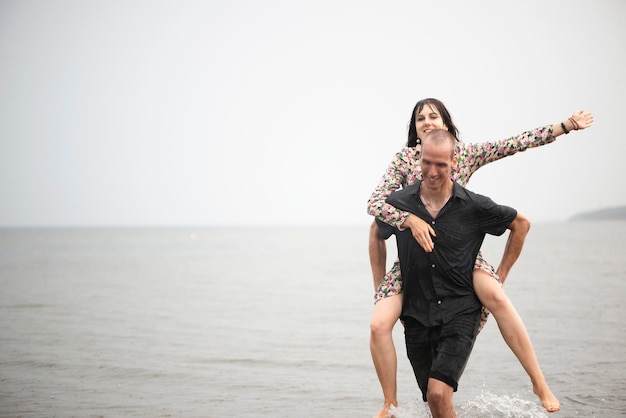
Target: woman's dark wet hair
[(413, 140)]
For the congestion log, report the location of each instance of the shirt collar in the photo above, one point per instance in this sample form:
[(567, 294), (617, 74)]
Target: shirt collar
[(457, 191)]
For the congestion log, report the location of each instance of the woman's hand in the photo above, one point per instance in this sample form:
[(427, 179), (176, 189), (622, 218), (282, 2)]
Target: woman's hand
[(583, 119), (421, 231)]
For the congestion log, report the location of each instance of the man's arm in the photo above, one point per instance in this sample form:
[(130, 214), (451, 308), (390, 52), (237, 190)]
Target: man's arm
[(378, 255), (518, 230)]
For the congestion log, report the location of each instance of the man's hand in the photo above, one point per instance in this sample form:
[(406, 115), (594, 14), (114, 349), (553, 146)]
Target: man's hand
[(519, 229)]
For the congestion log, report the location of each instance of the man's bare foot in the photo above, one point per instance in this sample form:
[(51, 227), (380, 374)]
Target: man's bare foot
[(548, 400), (385, 412)]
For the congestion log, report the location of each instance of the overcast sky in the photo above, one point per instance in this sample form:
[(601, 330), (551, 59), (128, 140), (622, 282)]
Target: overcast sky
[(288, 112)]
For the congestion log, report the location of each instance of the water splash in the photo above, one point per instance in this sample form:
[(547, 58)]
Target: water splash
[(501, 406), (486, 405)]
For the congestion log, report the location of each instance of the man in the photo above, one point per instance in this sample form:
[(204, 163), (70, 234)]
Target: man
[(440, 310)]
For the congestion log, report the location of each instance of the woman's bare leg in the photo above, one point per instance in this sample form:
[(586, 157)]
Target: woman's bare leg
[(386, 314), (492, 296)]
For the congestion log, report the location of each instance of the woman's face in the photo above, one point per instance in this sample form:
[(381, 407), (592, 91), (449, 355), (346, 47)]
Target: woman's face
[(427, 120)]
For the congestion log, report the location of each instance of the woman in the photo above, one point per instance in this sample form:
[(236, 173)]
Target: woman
[(431, 114)]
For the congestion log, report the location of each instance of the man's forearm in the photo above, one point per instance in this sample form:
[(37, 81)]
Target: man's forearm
[(377, 254), (519, 230)]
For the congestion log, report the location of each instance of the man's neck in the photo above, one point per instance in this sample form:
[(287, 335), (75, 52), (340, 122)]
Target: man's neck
[(442, 193), (435, 199)]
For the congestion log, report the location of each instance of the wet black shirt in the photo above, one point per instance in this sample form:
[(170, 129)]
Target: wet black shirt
[(438, 286)]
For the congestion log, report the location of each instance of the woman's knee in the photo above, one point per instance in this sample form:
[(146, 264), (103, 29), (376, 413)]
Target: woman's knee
[(489, 290), (382, 324), (496, 297), (386, 314)]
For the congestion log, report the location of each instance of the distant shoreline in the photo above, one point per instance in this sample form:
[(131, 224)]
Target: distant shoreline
[(615, 213)]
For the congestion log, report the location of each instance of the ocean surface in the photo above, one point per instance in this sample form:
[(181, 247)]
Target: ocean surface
[(274, 322)]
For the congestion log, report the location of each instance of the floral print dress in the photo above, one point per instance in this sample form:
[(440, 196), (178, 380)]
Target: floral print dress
[(405, 170)]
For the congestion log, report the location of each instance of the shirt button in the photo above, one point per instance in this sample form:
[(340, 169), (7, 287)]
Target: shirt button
[(433, 266), (438, 302), (432, 222)]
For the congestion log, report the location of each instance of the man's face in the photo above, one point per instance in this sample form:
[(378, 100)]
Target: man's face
[(437, 164)]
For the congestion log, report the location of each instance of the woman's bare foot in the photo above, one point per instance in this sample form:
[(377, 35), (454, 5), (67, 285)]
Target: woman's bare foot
[(385, 412), (548, 400)]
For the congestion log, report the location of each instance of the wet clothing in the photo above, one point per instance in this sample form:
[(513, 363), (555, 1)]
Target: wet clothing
[(405, 169), (438, 286)]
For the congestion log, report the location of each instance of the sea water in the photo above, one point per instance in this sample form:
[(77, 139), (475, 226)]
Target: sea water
[(274, 322)]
